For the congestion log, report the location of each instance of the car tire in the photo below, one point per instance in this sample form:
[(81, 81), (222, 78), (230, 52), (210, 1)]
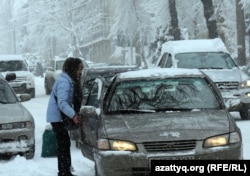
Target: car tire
[(48, 86), (96, 172), (32, 92), (31, 153), (78, 144), (244, 112), (47, 90)]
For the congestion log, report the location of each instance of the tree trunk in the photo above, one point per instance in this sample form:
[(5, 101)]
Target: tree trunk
[(241, 46), (175, 31), (137, 50), (211, 22)]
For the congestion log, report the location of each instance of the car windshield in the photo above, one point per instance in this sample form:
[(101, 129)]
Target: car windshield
[(163, 95), (6, 94), (59, 64), (205, 60), (13, 65)]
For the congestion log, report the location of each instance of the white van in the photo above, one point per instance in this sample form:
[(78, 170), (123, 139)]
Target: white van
[(24, 82), (213, 58)]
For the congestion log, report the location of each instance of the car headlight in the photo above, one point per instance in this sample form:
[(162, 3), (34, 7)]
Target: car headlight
[(105, 144), (222, 140), (245, 84), (16, 125)]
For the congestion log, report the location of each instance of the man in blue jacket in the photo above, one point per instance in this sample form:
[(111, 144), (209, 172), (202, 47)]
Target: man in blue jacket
[(61, 100)]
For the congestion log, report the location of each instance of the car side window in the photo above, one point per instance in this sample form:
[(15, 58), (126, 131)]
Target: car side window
[(163, 60), (93, 96), (169, 62)]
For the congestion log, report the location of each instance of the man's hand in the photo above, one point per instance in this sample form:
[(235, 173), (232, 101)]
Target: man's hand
[(77, 119)]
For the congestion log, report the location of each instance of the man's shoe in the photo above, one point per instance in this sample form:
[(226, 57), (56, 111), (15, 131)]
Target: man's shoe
[(66, 174)]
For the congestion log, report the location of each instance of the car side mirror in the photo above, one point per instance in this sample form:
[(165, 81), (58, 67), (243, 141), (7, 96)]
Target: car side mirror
[(10, 77), (88, 112)]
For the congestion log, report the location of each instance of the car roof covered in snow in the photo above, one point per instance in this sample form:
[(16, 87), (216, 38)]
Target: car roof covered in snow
[(160, 72), (11, 57), (198, 45)]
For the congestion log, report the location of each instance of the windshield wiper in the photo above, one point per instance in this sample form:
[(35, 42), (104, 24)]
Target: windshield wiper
[(133, 111), (211, 68), (4, 102), (172, 109)]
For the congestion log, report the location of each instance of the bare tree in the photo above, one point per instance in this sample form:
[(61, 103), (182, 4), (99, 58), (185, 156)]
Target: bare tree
[(241, 46), (175, 31), (53, 26), (132, 24), (210, 20)]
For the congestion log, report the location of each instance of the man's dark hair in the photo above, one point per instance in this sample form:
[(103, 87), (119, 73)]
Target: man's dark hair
[(71, 65)]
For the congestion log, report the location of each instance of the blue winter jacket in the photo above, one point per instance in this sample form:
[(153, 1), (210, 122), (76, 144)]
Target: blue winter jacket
[(63, 89)]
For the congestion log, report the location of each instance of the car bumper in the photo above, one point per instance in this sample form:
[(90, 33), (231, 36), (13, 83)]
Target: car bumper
[(16, 141), (234, 99), (21, 87), (109, 163)]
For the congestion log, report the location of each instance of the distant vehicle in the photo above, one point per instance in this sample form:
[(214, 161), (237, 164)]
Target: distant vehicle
[(155, 114), (24, 82), (53, 72), (17, 127), (211, 56)]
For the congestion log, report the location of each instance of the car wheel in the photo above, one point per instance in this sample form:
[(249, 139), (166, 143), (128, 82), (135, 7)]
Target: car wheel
[(77, 143), (32, 92), (96, 172), (244, 112), (48, 86), (30, 154), (47, 90)]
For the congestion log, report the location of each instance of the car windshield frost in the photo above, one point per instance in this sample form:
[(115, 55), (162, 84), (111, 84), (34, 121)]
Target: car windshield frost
[(163, 95), (6, 95), (205, 60)]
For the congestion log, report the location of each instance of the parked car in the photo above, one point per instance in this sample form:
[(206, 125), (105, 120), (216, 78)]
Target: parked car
[(211, 56), (88, 77), (17, 127), (105, 71), (53, 72), (156, 114), (25, 81)]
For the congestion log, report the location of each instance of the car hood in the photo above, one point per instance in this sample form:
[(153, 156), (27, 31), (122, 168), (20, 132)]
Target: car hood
[(138, 128), (12, 113), (227, 75)]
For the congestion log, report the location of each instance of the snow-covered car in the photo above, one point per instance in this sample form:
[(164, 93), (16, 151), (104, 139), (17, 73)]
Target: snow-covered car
[(53, 72), (212, 57), (25, 81), (17, 127), (155, 114)]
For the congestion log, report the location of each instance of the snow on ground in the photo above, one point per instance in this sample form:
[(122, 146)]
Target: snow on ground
[(39, 166)]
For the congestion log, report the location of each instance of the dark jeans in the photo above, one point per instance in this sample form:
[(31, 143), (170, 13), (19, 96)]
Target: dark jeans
[(63, 150)]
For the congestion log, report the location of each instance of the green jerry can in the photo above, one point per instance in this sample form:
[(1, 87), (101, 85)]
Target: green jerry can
[(49, 146)]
